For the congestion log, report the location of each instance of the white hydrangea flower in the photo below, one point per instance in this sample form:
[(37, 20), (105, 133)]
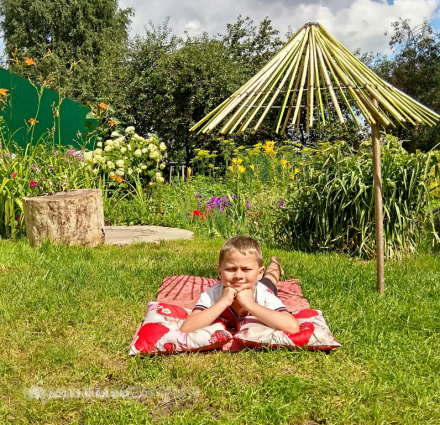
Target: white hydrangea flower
[(116, 134), (130, 171), (99, 144), (138, 170), (162, 166), (160, 179), (129, 146), (123, 149), (88, 156), (95, 171), (143, 167), (98, 152), (109, 142), (154, 155), (108, 148), (138, 153), (119, 172), (162, 146), (151, 147), (112, 174), (110, 165), (158, 174), (120, 163), (129, 130), (144, 150)]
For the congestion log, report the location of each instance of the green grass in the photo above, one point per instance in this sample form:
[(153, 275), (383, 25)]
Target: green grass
[(67, 316)]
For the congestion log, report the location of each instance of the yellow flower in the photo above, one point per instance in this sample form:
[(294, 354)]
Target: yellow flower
[(241, 169), (269, 148), (252, 167), (283, 162), (296, 170), (231, 168), (189, 171), (234, 160)]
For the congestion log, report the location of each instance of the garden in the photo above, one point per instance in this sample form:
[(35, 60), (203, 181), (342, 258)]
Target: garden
[(68, 314)]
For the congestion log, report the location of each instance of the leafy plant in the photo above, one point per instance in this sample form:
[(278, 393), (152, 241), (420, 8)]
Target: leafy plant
[(330, 204)]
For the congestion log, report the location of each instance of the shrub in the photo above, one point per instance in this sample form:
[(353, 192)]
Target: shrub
[(330, 204)]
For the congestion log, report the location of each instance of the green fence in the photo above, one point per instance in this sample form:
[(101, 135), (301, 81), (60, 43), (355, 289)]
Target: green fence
[(23, 105)]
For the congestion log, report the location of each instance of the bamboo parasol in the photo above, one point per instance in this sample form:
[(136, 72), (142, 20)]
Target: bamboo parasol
[(308, 72)]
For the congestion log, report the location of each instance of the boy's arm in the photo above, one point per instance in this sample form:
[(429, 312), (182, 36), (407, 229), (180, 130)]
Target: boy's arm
[(279, 320), (201, 318)]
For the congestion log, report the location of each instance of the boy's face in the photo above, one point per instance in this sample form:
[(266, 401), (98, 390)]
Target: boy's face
[(240, 271)]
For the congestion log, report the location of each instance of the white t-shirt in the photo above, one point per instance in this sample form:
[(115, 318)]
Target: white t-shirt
[(263, 296)]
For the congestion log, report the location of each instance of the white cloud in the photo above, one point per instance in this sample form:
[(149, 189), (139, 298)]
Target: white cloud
[(355, 23)]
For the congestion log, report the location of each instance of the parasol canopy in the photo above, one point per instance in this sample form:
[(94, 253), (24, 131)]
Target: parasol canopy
[(308, 72)]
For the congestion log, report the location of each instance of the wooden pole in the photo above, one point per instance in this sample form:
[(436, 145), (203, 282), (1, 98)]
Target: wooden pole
[(378, 206)]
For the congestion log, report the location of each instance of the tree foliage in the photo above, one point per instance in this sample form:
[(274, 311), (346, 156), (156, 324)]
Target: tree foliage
[(414, 68), (78, 43)]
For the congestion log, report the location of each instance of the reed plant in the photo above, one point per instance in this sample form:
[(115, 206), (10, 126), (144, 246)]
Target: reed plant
[(330, 204)]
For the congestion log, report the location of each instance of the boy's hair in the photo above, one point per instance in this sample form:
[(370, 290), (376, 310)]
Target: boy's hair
[(245, 245)]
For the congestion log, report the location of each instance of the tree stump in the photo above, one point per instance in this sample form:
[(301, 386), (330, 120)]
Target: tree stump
[(75, 217)]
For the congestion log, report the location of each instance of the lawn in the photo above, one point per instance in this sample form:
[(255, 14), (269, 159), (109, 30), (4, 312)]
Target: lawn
[(68, 315)]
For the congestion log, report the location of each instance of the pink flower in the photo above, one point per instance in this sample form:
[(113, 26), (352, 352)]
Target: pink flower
[(33, 183), (14, 175)]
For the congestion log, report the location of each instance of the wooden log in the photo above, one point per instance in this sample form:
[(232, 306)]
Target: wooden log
[(75, 217)]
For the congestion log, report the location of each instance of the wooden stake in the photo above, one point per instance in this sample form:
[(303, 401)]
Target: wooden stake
[(378, 207)]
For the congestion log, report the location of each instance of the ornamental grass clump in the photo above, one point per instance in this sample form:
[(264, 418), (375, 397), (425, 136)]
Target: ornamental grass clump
[(126, 158), (330, 204)]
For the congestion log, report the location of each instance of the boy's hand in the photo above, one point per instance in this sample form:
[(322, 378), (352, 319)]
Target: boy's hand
[(228, 295), (246, 298)]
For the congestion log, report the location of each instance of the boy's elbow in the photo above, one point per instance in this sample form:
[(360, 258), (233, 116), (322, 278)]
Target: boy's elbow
[(292, 328)]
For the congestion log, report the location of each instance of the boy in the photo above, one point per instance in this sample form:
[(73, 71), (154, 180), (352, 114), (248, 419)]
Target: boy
[(239, 293)]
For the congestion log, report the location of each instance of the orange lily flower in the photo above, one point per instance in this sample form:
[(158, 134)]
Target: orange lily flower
[(29, 62), (3, 92), (112, 123), (33, 121), (102, 105)]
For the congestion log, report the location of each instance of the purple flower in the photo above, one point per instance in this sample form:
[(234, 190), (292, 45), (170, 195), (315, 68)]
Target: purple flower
[(222, 209), (35, 167), (280, 204), (50, 167), (198, 196), (247, 205), (55, 152), (382, 143)]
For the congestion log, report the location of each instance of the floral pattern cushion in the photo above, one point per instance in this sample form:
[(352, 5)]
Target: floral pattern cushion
[(160, 333), (314, 334)]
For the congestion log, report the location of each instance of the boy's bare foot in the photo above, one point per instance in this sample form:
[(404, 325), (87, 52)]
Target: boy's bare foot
[(274, 270)]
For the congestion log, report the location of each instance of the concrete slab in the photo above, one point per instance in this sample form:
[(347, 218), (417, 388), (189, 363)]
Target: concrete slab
[(125, 235)]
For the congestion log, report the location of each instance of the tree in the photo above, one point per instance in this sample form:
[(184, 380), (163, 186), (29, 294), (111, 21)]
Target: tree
[(77, 42), (415, 69), (249, 46), (174, 83)]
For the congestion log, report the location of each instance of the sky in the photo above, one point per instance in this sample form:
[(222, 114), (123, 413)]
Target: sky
[(355, 23)]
